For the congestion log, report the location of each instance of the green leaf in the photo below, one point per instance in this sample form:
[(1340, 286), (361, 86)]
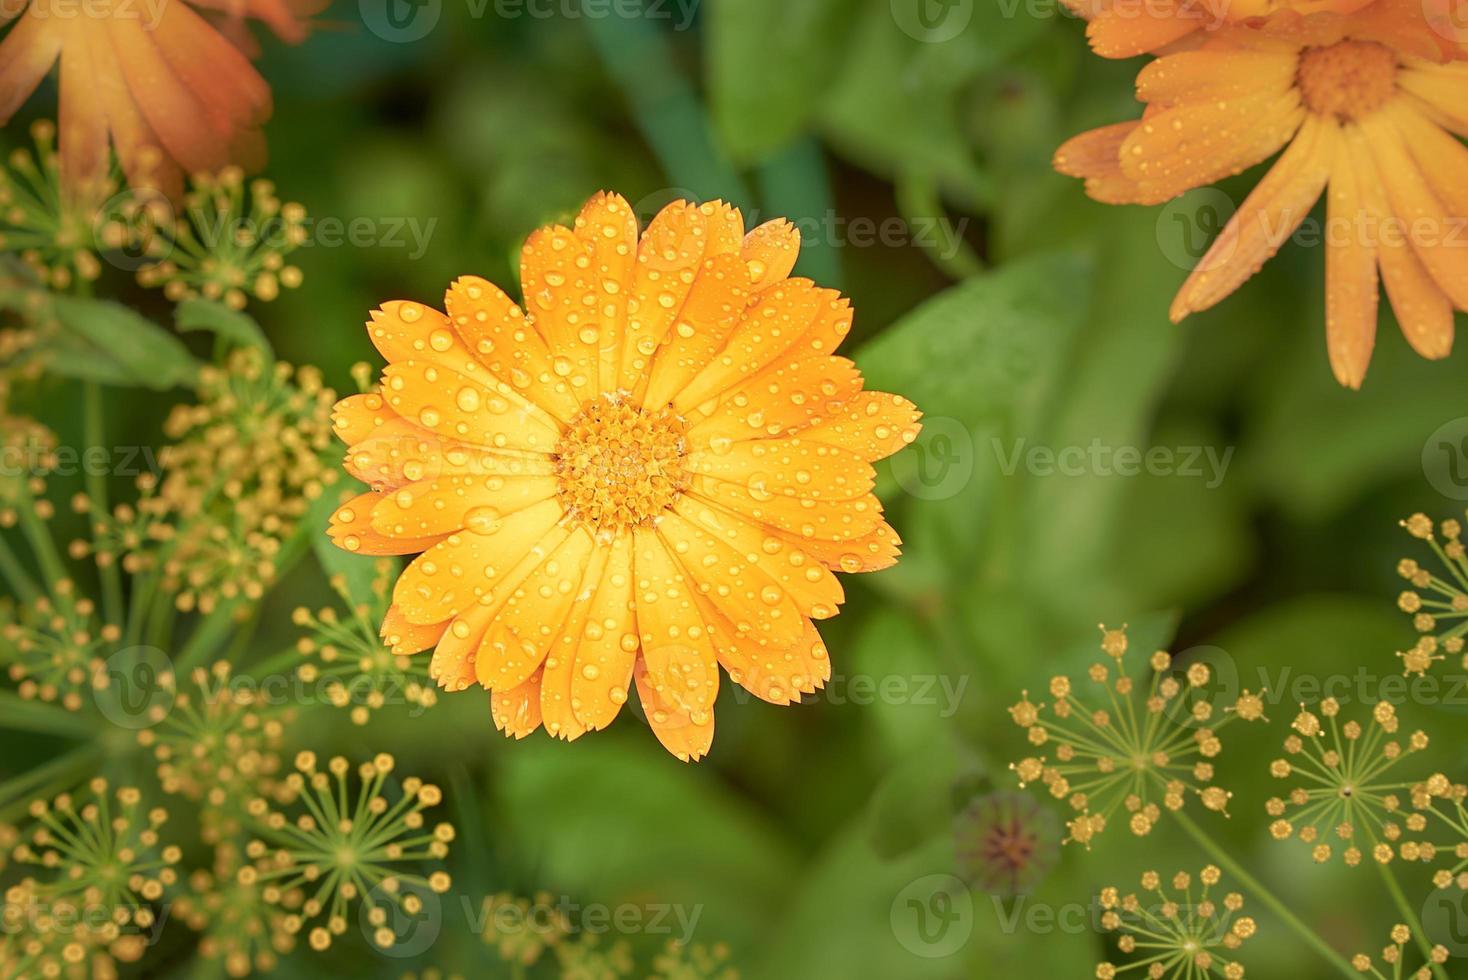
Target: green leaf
[(231, 325), (151, 356), (982, 360), (769, 61), (616, 818)]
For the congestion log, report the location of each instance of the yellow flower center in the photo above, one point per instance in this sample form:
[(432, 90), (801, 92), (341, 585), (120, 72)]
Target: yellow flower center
[(1347, 80), (619, 465)]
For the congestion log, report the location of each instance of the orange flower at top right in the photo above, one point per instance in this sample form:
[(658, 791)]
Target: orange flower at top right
[(1367, 108)]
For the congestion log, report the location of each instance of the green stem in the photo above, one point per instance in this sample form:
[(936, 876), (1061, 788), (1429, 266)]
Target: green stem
[(93, 432), (15, 574), (1413, 921), (205, 639), (17, 791), (28, 715), (919, 201), (665, 107), (1276, 906), (53, 569)]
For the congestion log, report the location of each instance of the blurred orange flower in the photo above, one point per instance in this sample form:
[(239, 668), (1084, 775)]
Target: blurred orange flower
[(152, 78), (650, 471), (1357, 109), (1127, 28)]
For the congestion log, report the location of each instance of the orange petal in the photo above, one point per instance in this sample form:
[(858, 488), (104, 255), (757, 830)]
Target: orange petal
[(1128, 29), (455, 502), (516, 712), (795, 467), (1216, 74), (609, 225), (455, 574), (871, 553), (1096, 157), (769, 328), (742, 590), (828, 520), (497, 332), (609, 642), (771, 251), (26, 56), (1201, 141), (1442, 89), (457, 407), (532, 620), (872, 424), (780, 401), (1422, 310), (701, 328), (351, 530), (1420, 210), (678, 660), (669, 255), (675, 727), (1351, 292), (1269, 215), (81, 123), (405, 638), (803, 577), (564, 301)]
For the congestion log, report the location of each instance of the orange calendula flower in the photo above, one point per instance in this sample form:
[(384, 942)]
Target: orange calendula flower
[(156, 81), (1357, 112), (649, 471), (1127, 28)]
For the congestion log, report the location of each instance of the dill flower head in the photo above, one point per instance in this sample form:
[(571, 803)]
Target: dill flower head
[(1343, 793), (57, 939), (520, 930), (1116, 751), (587, 958), (230, 244), (341, 845), (1437, 600), (696, 961), (101, 850), (53, 649), (216, 743), (55, 229), (1181, 933), (1006, 842), (360, 671), (649, 471), (1393, 960), (244, 465), (242, 926), (1440, 826), (24, 439), (1358, 103)]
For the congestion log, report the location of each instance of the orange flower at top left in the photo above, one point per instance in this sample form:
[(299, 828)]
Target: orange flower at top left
[(153, 78)]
